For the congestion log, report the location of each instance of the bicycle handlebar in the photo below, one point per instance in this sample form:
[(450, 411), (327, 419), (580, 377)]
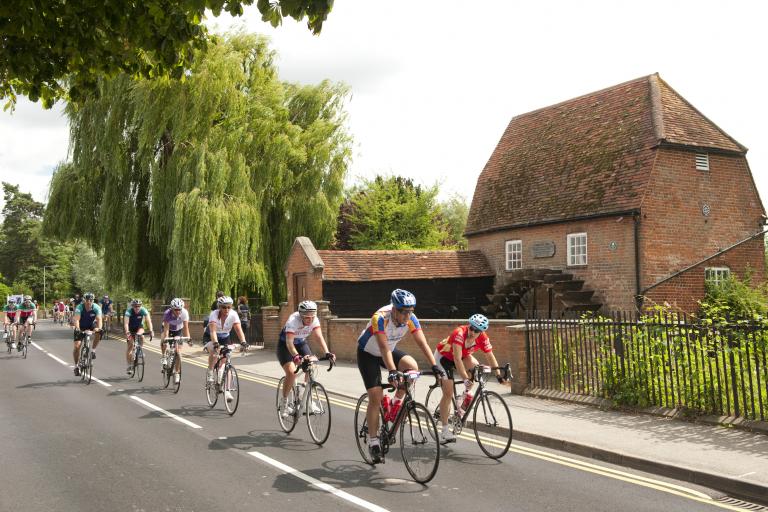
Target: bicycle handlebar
[(307, 362)]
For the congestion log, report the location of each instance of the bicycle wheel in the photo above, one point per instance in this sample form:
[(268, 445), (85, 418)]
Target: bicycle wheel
[(177, 385), (167, 370), (492, 423), (361, 428), (287, 419), (419, 444), (211, 390), (318, 413), (231, 384), (138, 365), (24, 349), (88, 370), (81, 361)]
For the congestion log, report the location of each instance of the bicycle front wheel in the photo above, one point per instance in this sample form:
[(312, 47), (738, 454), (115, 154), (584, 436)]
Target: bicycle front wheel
[(167, 372), (88, 370), (24, 349), (81, 361), (492, 423), (211, 391), (138, 365), (231, 387), (177, 383), (419, 443), (318, 413), (286, 414)]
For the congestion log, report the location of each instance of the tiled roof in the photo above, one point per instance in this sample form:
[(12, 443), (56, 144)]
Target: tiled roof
[(586, 156), (389, 265)]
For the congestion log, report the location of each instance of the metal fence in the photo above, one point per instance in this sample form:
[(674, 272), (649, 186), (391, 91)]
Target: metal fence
[(668, 360)]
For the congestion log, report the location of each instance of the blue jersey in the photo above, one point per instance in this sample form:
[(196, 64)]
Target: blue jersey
[(87, 318), (106, 306), (135, 318)]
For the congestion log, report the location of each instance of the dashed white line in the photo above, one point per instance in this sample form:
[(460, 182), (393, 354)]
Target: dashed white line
[(105, 384), (317, 483), (57, 359), (163, 411)]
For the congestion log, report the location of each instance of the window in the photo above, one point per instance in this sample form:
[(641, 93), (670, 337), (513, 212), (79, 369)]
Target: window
[(716, 275), (577, 249), (514, 254), (702, 162)]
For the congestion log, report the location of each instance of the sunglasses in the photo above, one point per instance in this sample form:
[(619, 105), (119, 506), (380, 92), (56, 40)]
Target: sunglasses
[(473, 329), (225, 307), (404, 310)]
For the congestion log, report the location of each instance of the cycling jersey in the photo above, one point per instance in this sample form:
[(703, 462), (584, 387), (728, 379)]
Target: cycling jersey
[(87, 318), (60, 307), (222, 331), (27, 311), (460, 337), (175, 323), (300, 331), (382, 322), (106, 306), (10, 312), (135, 318)]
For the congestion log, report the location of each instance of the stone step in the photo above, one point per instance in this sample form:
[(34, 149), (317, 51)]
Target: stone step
[(576, 296), (572, 285), (581, 306), (553, 278)]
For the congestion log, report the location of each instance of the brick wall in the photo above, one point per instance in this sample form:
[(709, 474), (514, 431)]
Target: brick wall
[(296, 265), (674, 233), (611, 273), (685, 290)]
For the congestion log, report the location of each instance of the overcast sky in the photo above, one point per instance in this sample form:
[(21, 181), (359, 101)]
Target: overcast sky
[(435, 83)]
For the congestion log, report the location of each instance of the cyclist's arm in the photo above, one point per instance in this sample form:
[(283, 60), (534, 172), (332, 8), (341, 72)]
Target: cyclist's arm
[(239, 330), (319, 334), (99, 321), (212, 331), (125, 325), (459, 362), (386, 353), (185, 330), (149, 322), (76, 319), (166, 330), (421, 341), (492, 361), (289, 336)]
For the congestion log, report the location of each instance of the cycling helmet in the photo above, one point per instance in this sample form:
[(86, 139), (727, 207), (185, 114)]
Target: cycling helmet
[(403, 299), (11, 302), (89, 296), (177, 304), (27, 298), (106, 296), (136, 302), (479, 322), (224, 300), (307, 306)]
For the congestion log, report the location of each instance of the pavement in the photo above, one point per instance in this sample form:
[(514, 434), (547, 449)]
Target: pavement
[(731, 460)]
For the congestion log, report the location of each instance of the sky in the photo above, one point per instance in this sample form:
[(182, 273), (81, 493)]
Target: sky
[(435, 83)]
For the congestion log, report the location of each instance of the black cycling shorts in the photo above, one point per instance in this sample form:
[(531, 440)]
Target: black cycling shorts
[(370, 366), (448, 366), (284, 356)]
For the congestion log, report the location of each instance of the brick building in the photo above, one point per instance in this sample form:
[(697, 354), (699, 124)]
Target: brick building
[(623, 193)]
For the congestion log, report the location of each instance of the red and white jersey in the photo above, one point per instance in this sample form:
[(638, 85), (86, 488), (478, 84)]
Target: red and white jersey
[(460, 337)]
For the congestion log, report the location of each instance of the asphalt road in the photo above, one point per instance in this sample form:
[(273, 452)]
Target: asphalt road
[(74, 447)]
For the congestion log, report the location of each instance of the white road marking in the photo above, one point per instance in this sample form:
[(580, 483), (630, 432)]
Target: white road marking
[(169, 414), (105, 384), (747, 474), (59, 360), (317, 483), (38, 347)]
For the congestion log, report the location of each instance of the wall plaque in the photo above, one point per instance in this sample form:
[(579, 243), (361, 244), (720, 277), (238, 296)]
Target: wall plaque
[(543, 249)]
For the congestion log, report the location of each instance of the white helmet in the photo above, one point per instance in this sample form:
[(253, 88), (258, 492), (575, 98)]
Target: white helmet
[(177, 304), (307, 306), (224, 301)]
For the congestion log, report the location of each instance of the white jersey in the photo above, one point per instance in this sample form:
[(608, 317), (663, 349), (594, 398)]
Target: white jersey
[(222, 331), (296, 326)]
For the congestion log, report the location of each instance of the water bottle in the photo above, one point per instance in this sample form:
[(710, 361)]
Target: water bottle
[(466, 399), (385, 407), (394, 409)]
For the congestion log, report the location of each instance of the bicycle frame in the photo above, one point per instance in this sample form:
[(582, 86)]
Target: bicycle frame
[(309, 367), (479, 374), (407, 381)]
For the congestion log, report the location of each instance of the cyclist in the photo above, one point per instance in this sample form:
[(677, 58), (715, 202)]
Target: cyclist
[(87, 317), (455, 353), (376, 348), (133, 322), (59, 310), (27, 317), (220, 324), (175, 323), (10, 312), (292, 346), (106, 310)]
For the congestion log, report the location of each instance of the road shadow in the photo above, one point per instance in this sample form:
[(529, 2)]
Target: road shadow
[(261, 439), (453, 452), (201, 411), (133, 391), (350, 475), (53, 384)]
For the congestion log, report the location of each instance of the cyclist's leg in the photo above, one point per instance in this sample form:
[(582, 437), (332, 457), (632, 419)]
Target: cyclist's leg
[(447, 366), (370, 370), (129, 348), (404, 363)]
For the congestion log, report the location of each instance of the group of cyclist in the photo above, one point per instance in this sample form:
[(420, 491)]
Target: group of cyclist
[(377, 349), (19, 320)]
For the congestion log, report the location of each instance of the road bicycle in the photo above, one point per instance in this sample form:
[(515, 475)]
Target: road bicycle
[(225, 380), (137, 357), (85, 360), (491, 419), (306, 399), (419, 443), (24, 338), (172, 360), (9, 337)]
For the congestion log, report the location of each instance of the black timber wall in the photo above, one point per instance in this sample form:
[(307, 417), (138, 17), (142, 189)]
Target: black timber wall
[(436, 298)]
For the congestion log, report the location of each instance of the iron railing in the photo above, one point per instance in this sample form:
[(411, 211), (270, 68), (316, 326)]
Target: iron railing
[(665, 359)]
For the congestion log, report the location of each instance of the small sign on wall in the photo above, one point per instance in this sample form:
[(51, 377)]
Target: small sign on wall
[(544, 249)]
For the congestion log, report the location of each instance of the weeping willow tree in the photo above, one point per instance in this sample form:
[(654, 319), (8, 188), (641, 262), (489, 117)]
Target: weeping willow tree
[(191, 186)]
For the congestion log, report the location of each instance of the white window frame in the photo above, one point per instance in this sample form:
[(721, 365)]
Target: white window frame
[(716, 275), (513, 254), (702, 162), (577, 259)]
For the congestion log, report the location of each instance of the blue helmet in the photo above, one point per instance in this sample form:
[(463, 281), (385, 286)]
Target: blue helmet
[(403, 299), (479, 322)]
